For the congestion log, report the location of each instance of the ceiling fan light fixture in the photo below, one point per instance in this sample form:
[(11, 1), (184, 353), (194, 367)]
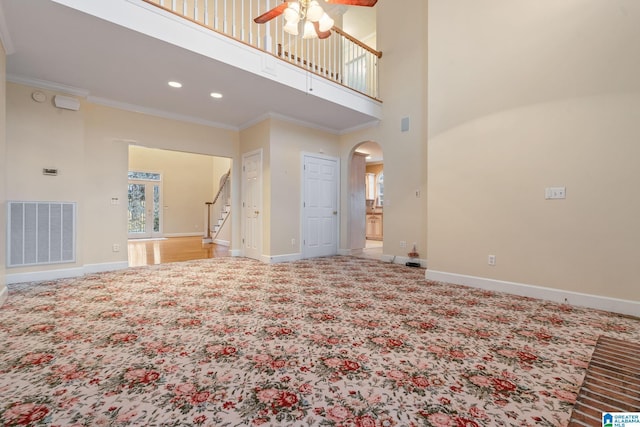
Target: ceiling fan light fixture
[(291, 28), (314, 11), (309, 30), (292, 13), (326, 23)]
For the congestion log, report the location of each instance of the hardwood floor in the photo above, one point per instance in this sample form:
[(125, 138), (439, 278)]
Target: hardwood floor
[(611, 383), (172, 249)]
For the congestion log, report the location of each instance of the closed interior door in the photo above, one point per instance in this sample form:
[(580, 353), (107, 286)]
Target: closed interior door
[(252, 205), (320, 206), (144, 210)]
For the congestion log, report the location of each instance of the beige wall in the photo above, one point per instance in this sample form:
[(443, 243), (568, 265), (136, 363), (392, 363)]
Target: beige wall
[(187, 183), (487, 181), (569, 117), (288, 144), (283, 144), (403, 84), (90, 149), (42, 136), (3, 160), (253, 139)]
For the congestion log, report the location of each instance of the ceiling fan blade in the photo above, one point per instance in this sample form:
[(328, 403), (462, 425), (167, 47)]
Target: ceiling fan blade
[(321, 34), (269, 15), (367, 3)]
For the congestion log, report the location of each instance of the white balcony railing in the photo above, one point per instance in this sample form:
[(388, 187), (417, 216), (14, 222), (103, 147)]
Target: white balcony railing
[(340, 57)]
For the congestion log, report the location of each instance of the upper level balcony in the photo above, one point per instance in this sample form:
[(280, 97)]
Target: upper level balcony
[(123, 53)]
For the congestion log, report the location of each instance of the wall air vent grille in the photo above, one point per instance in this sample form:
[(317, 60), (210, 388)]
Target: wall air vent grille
[(40, 233)]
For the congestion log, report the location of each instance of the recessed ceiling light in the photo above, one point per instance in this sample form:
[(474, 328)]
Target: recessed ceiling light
[(216, 95), (175, 84)]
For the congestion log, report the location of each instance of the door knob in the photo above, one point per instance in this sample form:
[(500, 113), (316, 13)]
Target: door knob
[(256, 212), (335, 212)]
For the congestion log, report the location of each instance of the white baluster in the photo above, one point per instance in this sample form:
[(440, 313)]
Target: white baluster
[(215, 14), (233, 19), (224, 17)]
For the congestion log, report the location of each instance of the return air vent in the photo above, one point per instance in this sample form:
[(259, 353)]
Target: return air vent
[(41, 233)]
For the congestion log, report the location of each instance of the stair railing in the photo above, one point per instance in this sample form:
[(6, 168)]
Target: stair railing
[(223, 184), (340, 58)]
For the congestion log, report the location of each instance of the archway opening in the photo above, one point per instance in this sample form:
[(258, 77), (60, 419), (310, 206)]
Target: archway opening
[(366, 218)]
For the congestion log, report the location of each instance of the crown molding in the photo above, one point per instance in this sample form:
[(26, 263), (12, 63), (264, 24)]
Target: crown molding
[(288, 119), (158, 113), (70, 90), (44, 84), (5, 37)]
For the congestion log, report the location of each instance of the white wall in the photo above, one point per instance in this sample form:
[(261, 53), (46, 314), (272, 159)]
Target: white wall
[(3, 161), (528, 95)]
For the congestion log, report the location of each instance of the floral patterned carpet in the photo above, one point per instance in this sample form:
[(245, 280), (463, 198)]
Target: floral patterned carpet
[(334, 341)]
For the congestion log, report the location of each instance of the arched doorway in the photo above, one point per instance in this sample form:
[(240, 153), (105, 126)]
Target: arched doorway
[(366, 200)]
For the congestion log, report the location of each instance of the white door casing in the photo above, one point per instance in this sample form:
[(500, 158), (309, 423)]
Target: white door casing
[(320, 206), (252, 204)]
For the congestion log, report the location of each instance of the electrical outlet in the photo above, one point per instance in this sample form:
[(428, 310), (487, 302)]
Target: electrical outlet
[(403, 244), (491, 260), (115, 247), (555, 193)]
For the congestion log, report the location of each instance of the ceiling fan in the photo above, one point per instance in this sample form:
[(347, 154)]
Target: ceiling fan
[(317, 23)]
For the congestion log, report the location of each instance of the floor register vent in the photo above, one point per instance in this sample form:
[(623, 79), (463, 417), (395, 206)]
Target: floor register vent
[(40, 233)]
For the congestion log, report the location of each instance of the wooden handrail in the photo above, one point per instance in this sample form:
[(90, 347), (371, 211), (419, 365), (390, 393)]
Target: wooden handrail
[(224, 183), (357, 42)]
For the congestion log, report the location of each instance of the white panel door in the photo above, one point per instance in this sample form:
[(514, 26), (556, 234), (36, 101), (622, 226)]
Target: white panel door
[(320, 206), (252, 205)]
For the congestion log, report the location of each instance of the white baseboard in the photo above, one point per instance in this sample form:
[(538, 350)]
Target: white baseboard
[(65, 273), (107, 266), (195, 234), (631, 308), (281, 258), (236, 252), (350, 252), (39, 276), (222, 242), (4, 294), (394, 259)]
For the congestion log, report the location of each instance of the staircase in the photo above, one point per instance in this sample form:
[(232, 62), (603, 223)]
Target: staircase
[(224, 214), (225, 209)]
